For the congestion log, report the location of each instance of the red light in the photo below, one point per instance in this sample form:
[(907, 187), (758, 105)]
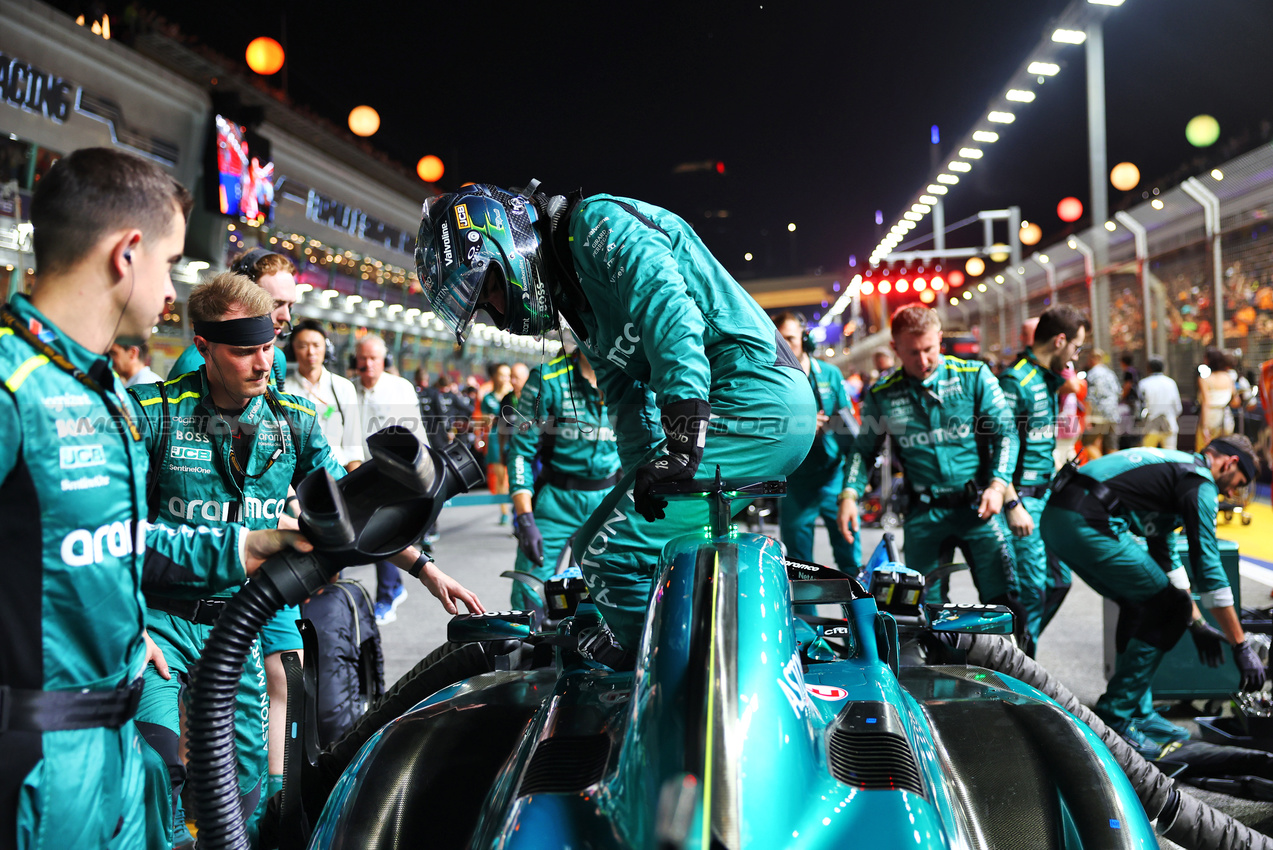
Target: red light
[(956, 277), (720, 167), (1069, 209), (868, 288)]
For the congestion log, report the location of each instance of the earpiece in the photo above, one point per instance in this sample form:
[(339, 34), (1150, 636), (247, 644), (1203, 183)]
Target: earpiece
[(128, 256)]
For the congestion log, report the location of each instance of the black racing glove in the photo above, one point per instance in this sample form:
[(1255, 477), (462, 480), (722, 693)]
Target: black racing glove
[(685, 424), (529, 540), (1248, 661), (1209, 641)]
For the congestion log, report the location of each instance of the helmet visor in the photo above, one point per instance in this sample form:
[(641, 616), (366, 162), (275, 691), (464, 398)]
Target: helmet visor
[(451, 274)]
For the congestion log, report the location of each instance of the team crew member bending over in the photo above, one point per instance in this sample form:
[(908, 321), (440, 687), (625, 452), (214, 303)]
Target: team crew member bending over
[(108, 228), (1032, 387), (1092, 521), (957, 444), (562, 420), (229, 445), (675, 341)]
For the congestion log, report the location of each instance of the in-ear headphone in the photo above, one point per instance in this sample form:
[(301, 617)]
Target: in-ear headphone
[(128, 256)]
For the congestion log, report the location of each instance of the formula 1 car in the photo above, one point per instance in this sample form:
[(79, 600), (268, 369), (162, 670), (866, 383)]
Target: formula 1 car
[(741, 725)]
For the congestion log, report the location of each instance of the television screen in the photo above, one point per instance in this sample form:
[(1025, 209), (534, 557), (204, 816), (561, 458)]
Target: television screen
[(244, 171)]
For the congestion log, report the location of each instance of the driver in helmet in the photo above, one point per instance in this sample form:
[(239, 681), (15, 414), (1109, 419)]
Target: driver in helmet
[(680, 350)]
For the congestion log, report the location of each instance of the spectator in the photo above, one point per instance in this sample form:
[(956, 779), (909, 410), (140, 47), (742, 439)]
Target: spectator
[(496, 466), (132, 363), (883, 361), (1129, 404), (1216, 391), (334, 398), (385, 400), (1100, 437), (1161, 399)]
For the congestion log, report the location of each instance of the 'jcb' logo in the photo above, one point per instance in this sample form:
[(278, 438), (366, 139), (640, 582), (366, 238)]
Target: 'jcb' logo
[(186, 453), (79, 457)]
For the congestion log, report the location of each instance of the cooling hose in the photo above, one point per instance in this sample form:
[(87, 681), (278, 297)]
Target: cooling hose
[(1180, 817), (285, 579)]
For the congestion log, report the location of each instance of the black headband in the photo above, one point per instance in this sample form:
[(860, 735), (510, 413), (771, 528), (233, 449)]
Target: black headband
[(1245, 462), (251, 330)]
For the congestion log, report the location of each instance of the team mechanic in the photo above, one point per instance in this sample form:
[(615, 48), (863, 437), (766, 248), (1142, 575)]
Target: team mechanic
[(957, 444), (673, 338), (560, 418), (1089, 522), (1032, 386), (108, 227), (229, 445), (276, 274), (812, 489)]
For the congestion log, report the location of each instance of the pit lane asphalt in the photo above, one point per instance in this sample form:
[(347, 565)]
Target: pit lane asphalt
[(475, 549)]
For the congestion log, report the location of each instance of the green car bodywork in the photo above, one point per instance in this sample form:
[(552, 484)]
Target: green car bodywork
[(741, 726)]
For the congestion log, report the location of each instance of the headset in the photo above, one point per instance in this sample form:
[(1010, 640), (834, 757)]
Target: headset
[(329, 350), (246, 263), (806, 339)]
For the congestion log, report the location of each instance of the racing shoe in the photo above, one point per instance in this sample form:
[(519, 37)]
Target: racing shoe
[(1149, 746), (386, 609), (1162, 729)]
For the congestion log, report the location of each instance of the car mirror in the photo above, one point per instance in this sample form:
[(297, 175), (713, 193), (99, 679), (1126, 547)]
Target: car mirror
[(490, 626), (970, 619)]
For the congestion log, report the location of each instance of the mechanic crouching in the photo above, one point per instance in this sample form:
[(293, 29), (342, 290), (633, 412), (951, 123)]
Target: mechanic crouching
[(957, 444), (561, 418), (681, 351), (1089, 522)]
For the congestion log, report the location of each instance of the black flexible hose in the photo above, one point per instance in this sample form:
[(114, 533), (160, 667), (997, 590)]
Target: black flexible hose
[(283, 580), (1181, 817)]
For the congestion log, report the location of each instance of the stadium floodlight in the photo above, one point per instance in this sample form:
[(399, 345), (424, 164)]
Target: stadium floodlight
[(1069, 36), (1043, 69), (934, 189), (948, 179), (957, 165), (985, 136), (1020, 95), (971, 153), (1001, 117)]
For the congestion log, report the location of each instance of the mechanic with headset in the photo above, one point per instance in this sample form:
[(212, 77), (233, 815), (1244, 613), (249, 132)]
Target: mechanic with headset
[(812, 489), (229, 445), (108, 227), (1032, 386), (957, 444), (1093, 518), (681, 351), (334, 398), (561, 418), (276, 274)]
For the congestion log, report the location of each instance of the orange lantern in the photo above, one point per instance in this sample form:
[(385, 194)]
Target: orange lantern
[(265, 56), (364, 121), (429, 168), (1069, 209)]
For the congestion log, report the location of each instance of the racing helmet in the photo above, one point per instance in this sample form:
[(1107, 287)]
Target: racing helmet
[(479, 248)]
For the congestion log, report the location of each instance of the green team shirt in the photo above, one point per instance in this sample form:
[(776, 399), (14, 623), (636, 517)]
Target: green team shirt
[(490, 410), (72, 520), (1160, 490), (1032, 390), (197, 485), (560, 415), (941, 427)]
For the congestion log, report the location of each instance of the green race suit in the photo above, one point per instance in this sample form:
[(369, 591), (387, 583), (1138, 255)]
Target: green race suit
[(190, 360), (1031, 389), (198, 486), (953, 432), (665, 322), (491, 411), (72, 512), (1158, 491), (561, 418), (812, 490)]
